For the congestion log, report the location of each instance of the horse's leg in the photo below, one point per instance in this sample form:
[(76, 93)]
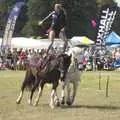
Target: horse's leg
[(20, 95), (56, 99), (64, 83), (52, 98), (33, 90), (27, 76), (74, 92), (71, 98), (68, 93), (40, 89), (53, 93)]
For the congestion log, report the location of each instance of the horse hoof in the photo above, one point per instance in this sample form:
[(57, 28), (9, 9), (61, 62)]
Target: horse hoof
[(69, 103), (51, 106), (29, 102), (57, 103), (17, 101), (62, 102), (35, 104)]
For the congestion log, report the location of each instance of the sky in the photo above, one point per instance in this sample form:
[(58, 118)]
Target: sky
[(118, 1)]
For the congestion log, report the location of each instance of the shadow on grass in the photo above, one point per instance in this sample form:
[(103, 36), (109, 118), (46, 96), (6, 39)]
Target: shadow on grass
[(92, 107)]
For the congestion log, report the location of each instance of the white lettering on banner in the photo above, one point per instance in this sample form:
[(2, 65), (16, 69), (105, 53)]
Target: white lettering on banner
[(13, 23), (113, 17), (110, 15), (6, 42), (100, 36), (106, 13), (102, 25), (101, 28), (109, 22), (99, 42), (105, 25), (11, 30), (103, 22)]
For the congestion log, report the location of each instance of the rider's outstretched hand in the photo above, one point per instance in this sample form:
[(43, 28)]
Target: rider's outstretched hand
[(40, 23)]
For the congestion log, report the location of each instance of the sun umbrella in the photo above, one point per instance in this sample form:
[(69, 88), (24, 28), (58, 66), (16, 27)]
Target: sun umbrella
[(81, 40)]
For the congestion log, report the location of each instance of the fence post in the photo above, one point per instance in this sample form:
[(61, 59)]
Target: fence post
[(99, 80), (107, 86)]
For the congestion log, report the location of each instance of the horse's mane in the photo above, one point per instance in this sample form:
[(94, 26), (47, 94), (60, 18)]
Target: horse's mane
[(54, 61), (75, 51)]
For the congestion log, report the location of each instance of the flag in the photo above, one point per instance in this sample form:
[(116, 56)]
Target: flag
[(6, 42), (107, 16)]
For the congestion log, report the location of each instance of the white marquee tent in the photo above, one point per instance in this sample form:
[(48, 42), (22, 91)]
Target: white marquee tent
[(22, 42)]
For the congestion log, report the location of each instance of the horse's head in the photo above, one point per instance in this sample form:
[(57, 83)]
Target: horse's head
[(76, 59), (64, 61)]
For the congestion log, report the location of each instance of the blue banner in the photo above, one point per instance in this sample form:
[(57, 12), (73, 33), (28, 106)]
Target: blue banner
[(11, 23)]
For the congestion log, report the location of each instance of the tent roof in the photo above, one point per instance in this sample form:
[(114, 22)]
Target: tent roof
[(22, 42), (113, 38)]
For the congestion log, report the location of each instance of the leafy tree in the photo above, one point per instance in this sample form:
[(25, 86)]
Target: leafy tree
[(102, 2), (5, 7), (79, 12), (37, 10)]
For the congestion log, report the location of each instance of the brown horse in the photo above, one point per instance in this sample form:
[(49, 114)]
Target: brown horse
[(54, 68)]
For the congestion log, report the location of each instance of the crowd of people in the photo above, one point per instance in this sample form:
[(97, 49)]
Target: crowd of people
[(18, 58), (101, 59)]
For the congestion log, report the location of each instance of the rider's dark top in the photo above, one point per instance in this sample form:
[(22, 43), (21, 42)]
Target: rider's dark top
[(58, 20)]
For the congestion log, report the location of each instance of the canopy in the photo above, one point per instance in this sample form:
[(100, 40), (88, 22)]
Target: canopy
[(22, 42), (113, 38), (115, 45), (81, 40)]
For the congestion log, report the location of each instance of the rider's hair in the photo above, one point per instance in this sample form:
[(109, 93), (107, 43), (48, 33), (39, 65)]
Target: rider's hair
[(59, 6)]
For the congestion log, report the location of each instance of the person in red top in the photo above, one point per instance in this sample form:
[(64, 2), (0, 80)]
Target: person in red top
[(84, 62), (22, 55)]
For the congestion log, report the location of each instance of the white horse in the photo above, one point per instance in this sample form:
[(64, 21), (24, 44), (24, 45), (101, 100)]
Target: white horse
[(73, 76)]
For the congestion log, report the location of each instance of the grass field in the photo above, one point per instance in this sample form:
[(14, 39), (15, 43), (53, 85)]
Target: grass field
[(91, 103)]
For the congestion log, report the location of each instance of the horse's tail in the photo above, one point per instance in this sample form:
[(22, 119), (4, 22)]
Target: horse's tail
[(29, 80)]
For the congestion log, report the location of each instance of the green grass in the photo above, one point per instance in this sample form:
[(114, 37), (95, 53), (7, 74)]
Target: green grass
[(90, 104)]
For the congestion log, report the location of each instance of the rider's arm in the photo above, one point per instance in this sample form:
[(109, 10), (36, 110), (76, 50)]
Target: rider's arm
[(46, 18)]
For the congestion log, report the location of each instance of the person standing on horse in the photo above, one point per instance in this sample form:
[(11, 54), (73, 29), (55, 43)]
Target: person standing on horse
[(58, 25)]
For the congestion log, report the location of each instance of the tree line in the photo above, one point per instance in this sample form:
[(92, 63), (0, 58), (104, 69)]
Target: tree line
[(79, 12)]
